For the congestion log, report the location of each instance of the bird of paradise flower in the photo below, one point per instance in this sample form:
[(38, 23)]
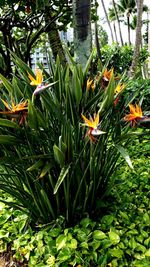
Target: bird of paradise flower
[(135, 114), (38, 82), (92, 124), (16, 110)]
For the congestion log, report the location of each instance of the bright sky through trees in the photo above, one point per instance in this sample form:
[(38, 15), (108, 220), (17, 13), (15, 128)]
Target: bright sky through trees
[(123, 27)]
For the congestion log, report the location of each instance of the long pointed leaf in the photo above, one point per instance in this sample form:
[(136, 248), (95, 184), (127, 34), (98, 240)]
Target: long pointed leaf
[(61, 177), (125, 155)]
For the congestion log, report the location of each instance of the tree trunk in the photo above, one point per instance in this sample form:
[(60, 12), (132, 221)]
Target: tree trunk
[(149, 43), (118, 21), (115, 32), (97, 43), (128, 24), (82, 30), (54, 38), (108, 22), (138, 38)]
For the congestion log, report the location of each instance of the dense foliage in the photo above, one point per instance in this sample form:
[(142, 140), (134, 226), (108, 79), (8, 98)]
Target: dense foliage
[(60, 168), (120, 57), (120, 237)]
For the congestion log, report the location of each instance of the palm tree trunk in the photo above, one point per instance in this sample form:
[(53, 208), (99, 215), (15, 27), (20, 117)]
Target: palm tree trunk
[(108, 22), (115, 32), (128, 24), (54, 38), (82, 30), (118, 21), (138, 38), (97, 43), (149, 42)]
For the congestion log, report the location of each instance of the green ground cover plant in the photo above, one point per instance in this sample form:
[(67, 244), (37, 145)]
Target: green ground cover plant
[(119, 238)]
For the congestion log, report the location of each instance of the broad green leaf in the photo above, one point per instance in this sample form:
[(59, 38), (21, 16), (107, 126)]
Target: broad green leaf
[(55, 232), (95, 244), (107, 219), (8, 123), (97, 234), (125, 155), (61, 177), (73, 244), (114, 237), (61, 242), (3, 233), (116, 252), (147, 253), (64, 255), (146, 218), (84, 245)]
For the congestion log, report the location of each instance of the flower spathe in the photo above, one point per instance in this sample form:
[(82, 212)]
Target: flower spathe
[(119, 88), (38, 82), (107, 74), (16, 110), (39, 78), (90, 84), (92, 124), (135, 114)]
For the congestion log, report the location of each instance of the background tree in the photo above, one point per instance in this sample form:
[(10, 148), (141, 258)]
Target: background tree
[(126, 8), (118, 21), (108, 22), (22, 23), (82, 30), (138, 38)]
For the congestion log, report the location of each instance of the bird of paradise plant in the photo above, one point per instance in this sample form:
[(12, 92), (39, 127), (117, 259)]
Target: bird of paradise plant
[(48, 165)]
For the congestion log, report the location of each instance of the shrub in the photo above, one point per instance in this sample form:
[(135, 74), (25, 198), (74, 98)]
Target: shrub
[(50, 164)]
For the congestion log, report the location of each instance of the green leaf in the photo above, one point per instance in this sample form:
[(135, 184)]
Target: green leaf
[(107, 219), (32, 116), (147, 253), (146, 218), (88, 63), (116, 252), (77, 87), (97, 234), (114, 237), (125, 155), (64, 255), (61, 242), (35, 166), (7, 84), (3, 233), (8, 139), (61, 177), (55, 232), (73, 244), (45, 169), (8, 123), (59, 155)]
